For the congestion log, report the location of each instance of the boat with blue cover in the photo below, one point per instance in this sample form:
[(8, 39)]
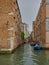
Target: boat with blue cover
[(37, 47)]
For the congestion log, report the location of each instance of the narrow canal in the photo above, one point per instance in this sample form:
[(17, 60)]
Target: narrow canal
[(25, 55)]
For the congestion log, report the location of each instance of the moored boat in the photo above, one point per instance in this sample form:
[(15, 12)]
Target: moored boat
[(37, 47)]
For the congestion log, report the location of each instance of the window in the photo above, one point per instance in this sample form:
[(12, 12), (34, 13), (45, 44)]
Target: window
[(47, 1), (47, 24), (14, 17), (14, 3), (17, 15)]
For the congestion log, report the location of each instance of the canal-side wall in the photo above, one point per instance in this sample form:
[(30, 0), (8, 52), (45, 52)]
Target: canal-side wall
[(47, 21), (39, 24), (10, 20)]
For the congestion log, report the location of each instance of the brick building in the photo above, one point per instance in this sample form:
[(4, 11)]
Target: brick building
[(10, 20), (39, 25), (47, 23)]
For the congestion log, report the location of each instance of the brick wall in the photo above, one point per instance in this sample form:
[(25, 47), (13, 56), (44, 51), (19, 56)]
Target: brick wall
[(10, 19), (40, 25)]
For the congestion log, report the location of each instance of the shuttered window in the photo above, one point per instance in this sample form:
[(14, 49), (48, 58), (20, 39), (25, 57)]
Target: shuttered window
[(47, 24)]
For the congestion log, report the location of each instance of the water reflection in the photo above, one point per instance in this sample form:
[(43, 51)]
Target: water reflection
[(25, 55)]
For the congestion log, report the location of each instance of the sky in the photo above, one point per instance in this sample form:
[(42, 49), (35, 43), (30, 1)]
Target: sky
[(29, 10)]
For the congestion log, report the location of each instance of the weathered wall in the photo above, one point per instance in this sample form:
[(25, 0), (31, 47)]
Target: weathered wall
[(10, 19), (40, 24)]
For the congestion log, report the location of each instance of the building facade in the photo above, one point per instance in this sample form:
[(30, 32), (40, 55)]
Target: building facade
[(39, 24), (10, 20), (47, 21), (24, 28)]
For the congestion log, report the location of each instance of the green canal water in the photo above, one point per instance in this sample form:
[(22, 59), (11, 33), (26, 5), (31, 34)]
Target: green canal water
[(25, 55)]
